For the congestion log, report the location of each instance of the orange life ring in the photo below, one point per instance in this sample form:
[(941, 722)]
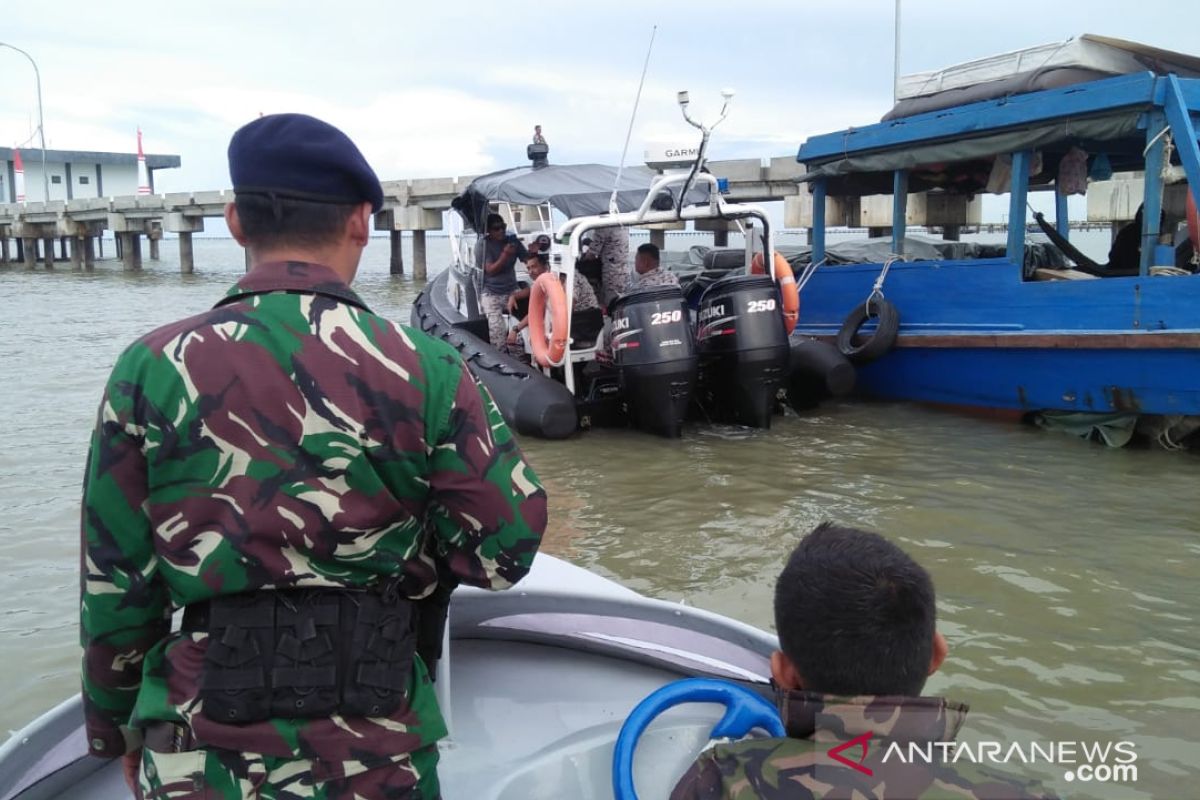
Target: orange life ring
[(1193, 221), (548, 289), (787, 287)]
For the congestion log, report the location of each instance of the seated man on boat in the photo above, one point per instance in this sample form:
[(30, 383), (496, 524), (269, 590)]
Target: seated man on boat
[(496, 254), (649, 271), (856, 622), (582, 296)]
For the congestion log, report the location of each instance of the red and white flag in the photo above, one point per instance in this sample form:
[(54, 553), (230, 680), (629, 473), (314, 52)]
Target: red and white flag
[(18, 176), (143, 174)]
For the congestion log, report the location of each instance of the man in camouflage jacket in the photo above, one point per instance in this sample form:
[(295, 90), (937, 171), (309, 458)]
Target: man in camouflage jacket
[(648, 272), (855, 617), (287, 438)]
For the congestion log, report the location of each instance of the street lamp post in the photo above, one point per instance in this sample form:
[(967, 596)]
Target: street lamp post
[(41, 124)]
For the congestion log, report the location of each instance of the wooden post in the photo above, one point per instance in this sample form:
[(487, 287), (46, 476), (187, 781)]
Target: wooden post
[(420, 268), (899, 209), (1019, 192), (397, 263), (187, 264)]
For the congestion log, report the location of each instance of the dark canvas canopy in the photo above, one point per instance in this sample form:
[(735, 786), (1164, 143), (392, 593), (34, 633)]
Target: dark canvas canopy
[(576, 190)]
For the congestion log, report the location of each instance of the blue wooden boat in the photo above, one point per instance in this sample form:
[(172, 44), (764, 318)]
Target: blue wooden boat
[(992, 332)]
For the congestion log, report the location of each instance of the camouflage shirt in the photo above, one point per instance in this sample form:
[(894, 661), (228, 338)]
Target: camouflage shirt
[(611, 246), (859, 731), (659, 276), (287, 438)]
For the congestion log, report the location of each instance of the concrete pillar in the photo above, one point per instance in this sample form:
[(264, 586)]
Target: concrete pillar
[(48, 252), (879, 233), (397, 266), (100, 246), (29, 252), (187, 264), (720, 238), (62, 248), (119, 244), (153, 247), (658, 239), (952, 233), (3, 249), (131, 250), (89, 252), (419, 266), (77, 251)]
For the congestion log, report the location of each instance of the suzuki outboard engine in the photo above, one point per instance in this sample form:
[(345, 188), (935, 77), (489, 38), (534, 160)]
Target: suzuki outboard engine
[(743, 348), (655, 354)]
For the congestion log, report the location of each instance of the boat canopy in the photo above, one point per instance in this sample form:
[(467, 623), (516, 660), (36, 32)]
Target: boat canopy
[(1032, 69), (955, 149), (576, 190)]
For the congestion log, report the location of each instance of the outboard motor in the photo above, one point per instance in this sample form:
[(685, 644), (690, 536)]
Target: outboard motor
[(743, 348), (655, 355)]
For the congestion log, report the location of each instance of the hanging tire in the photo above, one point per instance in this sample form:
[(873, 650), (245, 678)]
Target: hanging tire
[(863, 350)]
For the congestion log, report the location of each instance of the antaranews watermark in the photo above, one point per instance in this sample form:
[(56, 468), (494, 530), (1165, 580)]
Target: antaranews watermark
[(1085, 761)]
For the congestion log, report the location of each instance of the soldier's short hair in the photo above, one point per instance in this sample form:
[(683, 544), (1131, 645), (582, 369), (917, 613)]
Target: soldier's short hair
[(275, 221), (855, 614), (649, 249)]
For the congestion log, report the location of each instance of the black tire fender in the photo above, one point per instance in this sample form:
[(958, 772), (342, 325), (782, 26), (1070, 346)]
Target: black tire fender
[(864, 350)]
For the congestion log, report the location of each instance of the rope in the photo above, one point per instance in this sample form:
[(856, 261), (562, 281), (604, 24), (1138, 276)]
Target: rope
[(807, 274), (876, 294)]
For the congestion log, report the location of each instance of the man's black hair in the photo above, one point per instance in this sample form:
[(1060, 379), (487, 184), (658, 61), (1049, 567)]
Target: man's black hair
[(855, 614), (495, 220), (649, 249), (278, 221)]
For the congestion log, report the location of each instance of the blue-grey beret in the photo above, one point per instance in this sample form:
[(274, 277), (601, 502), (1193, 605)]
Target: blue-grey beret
[(301, 157)]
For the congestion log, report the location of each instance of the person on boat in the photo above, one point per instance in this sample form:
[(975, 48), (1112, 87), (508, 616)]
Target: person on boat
[(497, 254), (295, 472), (610, 247), (649, 271), (582, 296), (857, 635)]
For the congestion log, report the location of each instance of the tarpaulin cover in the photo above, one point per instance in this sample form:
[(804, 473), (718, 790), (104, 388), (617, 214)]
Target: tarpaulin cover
[(576, 190)]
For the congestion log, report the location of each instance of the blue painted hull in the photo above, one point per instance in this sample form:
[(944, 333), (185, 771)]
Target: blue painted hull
[(974, 334)]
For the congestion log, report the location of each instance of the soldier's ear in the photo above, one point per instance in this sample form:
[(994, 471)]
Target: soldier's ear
[(784, 672), (235, 224), (940, 651)]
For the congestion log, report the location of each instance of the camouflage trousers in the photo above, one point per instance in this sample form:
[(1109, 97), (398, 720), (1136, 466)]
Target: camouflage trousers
[(214, 774), (494, 306)]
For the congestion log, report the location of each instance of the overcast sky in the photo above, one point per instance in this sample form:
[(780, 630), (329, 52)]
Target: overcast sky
[(452, 88)]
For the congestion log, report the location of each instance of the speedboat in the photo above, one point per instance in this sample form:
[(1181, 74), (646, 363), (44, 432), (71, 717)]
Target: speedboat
[(717, 348), (546, 688), (1033, 330)]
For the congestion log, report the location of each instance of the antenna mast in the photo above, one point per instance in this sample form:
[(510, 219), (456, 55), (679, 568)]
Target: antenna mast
[(612, 201)]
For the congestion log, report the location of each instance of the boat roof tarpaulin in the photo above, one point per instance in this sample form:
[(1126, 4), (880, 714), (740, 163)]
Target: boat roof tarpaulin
[(1049, 66), (576, 190), (940, 147)]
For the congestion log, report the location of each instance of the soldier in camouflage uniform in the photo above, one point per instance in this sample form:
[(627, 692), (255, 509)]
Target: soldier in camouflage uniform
[(287, 439), (611, 247), (855, 617), (648, 271)]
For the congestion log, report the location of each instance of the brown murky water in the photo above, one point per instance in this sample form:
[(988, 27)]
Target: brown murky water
[(1067, 574)]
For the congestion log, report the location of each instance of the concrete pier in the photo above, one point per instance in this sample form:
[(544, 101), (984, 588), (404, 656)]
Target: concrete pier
[(658, 238), (89, 252), (48, 252), (397, 262), (77, 252), (180, 222), (130, 245), (3, 249), (420, 268), (30, 253)]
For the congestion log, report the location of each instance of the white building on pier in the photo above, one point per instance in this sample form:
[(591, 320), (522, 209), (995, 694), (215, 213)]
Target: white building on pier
[(77, 174)]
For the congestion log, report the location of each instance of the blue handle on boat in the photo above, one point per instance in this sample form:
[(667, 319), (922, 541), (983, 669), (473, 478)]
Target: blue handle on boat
[(744, 711)]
